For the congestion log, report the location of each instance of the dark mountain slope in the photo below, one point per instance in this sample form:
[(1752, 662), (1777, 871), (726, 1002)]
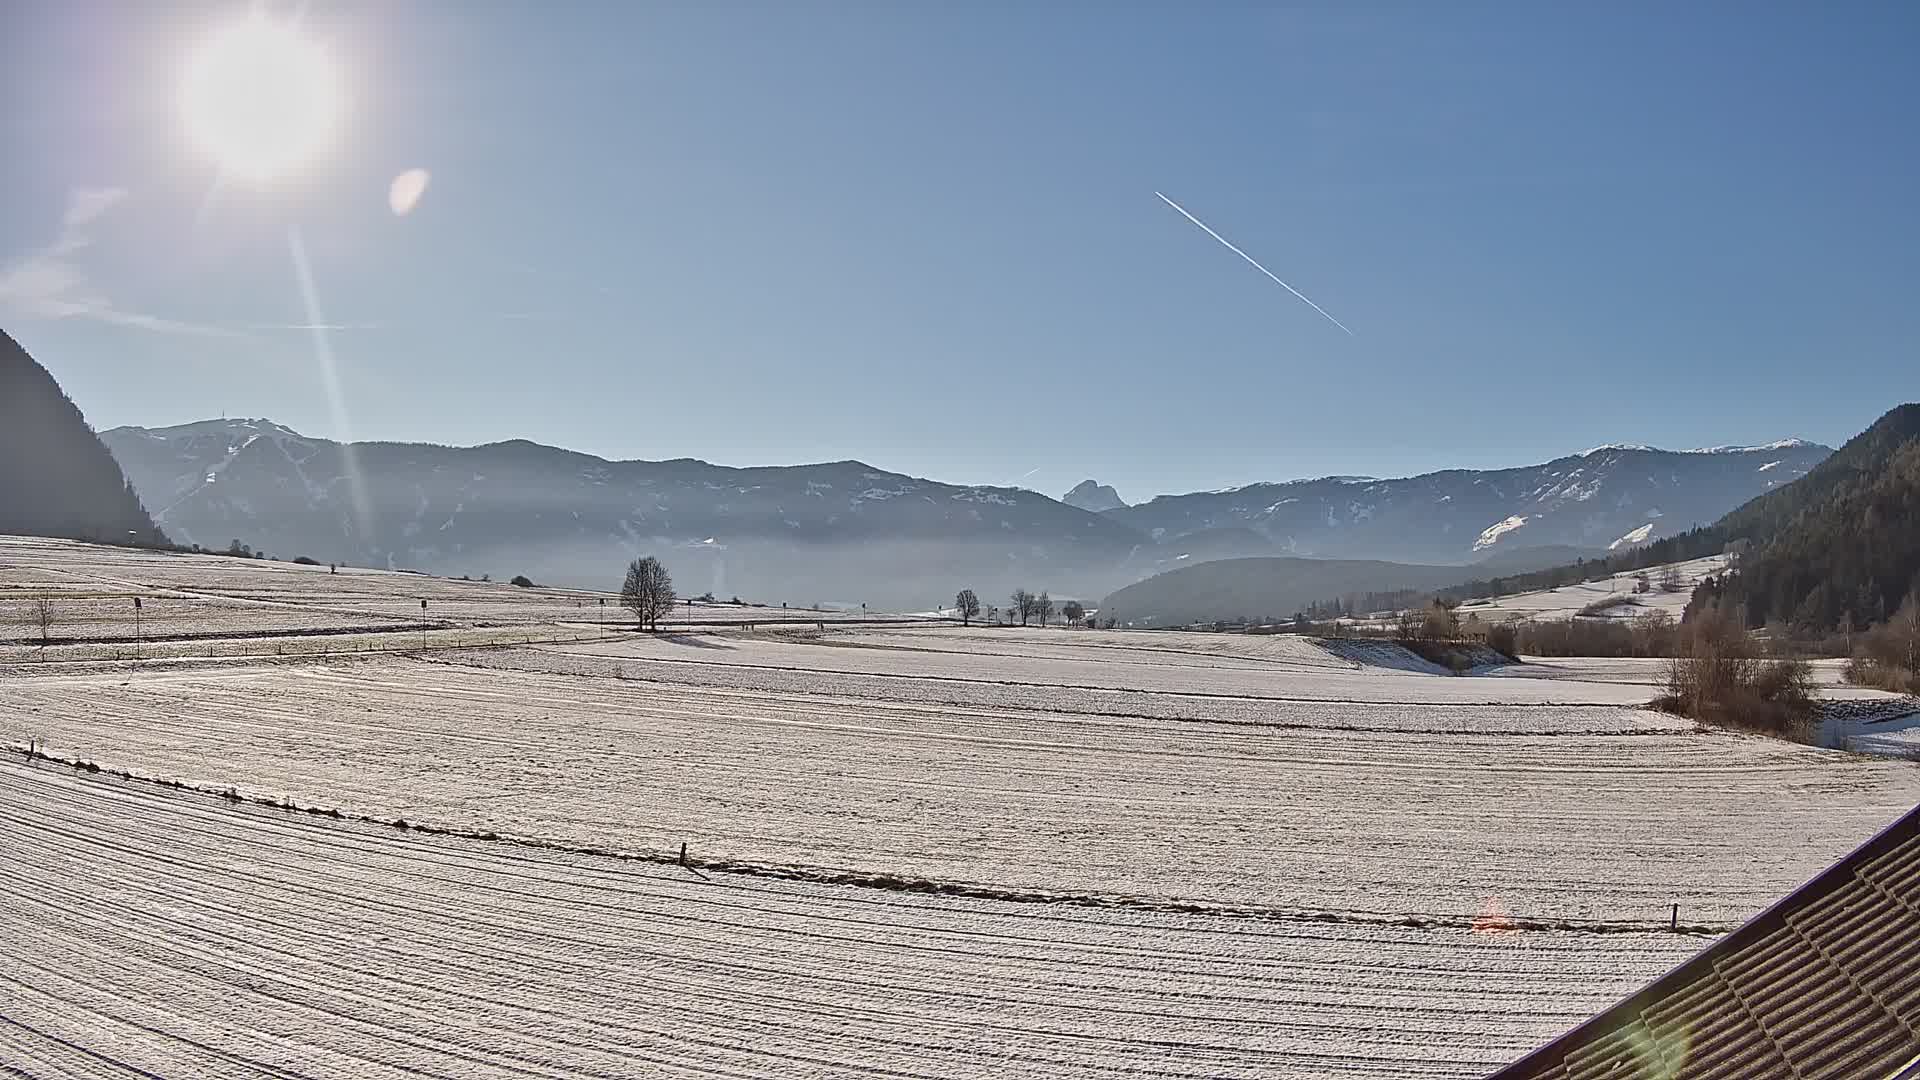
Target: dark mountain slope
[(56, 479), (1262, 588), (1839, 548)]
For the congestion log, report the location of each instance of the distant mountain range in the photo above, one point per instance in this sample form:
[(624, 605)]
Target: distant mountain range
[(848, 532), (1607, 497), (841, 532), (56, 479)]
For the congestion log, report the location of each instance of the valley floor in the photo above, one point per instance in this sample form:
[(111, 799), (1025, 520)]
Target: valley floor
[(914, 850)]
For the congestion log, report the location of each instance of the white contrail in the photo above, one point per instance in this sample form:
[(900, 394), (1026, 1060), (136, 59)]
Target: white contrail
[(1256, 264)]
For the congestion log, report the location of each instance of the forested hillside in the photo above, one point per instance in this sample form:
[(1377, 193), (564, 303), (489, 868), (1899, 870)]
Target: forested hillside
[(56, 479), (1839, 547), (1264, 590)]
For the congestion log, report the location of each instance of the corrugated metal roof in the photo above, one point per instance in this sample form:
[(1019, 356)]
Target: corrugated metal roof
[(1825, 984)]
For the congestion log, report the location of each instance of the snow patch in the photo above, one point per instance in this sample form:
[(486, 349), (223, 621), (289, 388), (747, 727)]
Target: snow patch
[(1494, 532), (1637, 536), (1777, 444), (983, 495)]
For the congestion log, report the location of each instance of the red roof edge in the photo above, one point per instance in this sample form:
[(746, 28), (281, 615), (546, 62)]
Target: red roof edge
[(1906, 828)]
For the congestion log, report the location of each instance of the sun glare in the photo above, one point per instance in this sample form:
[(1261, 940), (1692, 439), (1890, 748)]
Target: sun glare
[(259, 99)]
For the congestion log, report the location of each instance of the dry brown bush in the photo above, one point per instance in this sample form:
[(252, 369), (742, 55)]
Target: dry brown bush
[(1888, 656), (1717, 676)]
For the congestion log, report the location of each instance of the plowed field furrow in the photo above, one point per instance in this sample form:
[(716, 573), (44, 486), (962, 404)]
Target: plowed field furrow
[(1602, 827), (1359, 982), (175, 935)]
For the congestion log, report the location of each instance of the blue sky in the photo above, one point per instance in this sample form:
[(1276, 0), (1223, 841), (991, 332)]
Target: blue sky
[(927, 237)]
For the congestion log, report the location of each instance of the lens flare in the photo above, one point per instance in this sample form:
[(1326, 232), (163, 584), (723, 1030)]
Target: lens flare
[(405, 191), (330, 380), (259, 99)]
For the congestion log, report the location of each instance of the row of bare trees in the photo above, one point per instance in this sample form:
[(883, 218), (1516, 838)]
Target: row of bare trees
[(1024, 605)]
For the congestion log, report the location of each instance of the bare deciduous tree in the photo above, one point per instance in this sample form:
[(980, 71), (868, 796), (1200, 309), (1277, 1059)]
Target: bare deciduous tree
[(647, 592), (1043, 607), (40, 616), (1671, 581), (1021, 604), (967, 604), (1438, 623)]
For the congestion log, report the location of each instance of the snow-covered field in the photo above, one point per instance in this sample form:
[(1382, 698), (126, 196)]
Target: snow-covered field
[(919, 850), (154, 933), (1287, 668), (90, 591), (1297, 805), (1569, 600)]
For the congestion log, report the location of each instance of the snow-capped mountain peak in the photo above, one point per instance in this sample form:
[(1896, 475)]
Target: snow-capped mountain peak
[(1777, 444)]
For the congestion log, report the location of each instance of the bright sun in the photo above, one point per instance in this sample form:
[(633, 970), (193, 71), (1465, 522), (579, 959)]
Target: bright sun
[(260, 99)]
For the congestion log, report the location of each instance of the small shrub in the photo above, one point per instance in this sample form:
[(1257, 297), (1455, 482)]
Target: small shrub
[(522, 581), (302, 560)]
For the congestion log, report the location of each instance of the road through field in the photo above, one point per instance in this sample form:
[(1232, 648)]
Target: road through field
[(173, 936)]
